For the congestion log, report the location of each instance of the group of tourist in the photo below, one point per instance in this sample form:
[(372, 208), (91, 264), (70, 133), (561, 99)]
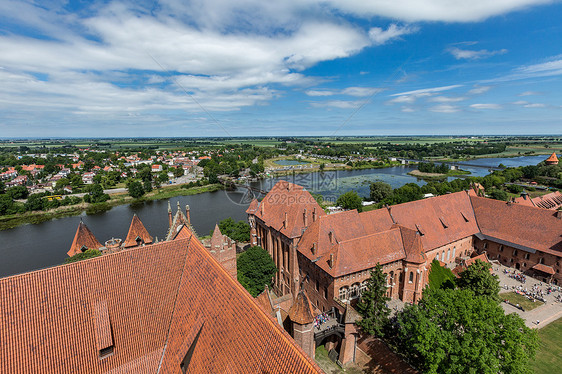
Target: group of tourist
[(321, 319), (535, 293), (517, 276)]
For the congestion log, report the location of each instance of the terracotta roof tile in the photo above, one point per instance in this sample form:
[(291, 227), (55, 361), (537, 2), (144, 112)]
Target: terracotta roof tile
[(530, 227), (412, 245), (83, 239), (544, 268), (137, 234), (427, 215), (552, 158), (302, 311), (156, 299), (286, 207)]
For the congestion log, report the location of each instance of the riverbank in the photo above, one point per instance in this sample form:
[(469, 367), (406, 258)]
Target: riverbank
[(437, 176), (165, 192)]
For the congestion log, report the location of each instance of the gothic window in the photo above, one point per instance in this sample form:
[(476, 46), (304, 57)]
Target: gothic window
[(541, 260), (363, 287), (515, 252), (448, 254), (411, 277), (527, 256), (354, 291), (343, 293)]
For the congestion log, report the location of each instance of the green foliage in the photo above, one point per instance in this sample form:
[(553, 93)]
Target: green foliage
[(455, 331), (136, 189), (440, 277), (255, 270), (6, 204), (17, 192), (498, 194), (429, 167), (478, 279), (372, 305), (35, 202), (96, 194), (350, 200), (238, 231), (178, 172), (98, 208), (89, 253), (514, 188), (380, 191)]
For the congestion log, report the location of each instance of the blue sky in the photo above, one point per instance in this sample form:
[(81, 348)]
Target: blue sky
[(295, 67)]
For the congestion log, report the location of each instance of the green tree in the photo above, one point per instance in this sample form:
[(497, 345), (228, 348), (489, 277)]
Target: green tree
[(147, 186), (380, 191), (89, 253), (498, 194), (6, 204), (255, 270), (478, 279), (135, 189), (455, 331), (35, 202), (96, 193), (239, 231), (372, 305), (350, 200), (18, 192), (178, 172)]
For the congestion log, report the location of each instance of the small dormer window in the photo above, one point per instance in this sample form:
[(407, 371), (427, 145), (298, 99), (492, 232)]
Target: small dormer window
[(102, 329), (420, 230), (443, 223)]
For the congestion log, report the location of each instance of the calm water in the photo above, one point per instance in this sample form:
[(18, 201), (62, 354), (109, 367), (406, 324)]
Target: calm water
[(32, 247), (291, 162)]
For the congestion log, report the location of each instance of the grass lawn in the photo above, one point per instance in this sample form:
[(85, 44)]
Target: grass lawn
[(330, 367), (514, 298), (549, 355)]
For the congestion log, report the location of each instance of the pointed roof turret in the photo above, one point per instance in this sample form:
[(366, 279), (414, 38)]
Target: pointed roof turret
[(552, 160), (217, 238), (137, 234), (302, 311), (253, 208), (83, 239)]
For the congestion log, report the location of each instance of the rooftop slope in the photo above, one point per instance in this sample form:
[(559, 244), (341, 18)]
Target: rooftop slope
[(534, 228), (158, 305), (137, 233), (83, 239)]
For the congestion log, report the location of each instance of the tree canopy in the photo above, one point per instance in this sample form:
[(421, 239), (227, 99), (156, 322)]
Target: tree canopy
[(135, 188), (255, 270), (350, 200), (380, 191), (478, 279), (455, 331), (372, 305), (239, 231), (89, 253)]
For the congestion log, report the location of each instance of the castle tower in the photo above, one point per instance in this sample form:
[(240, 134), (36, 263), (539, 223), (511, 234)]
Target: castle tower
[(552, 160), (301, 315), (83, 240), (137, 235)]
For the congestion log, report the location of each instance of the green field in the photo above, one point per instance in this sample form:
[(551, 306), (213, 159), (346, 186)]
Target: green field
[(514, 298), (549, 355)]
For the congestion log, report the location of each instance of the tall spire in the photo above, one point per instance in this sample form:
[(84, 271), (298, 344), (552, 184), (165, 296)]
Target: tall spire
[(170, 219)]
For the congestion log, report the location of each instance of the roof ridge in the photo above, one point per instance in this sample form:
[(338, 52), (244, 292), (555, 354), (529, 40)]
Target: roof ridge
[(372, 234)]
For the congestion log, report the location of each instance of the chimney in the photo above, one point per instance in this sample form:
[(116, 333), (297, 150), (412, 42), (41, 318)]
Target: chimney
[(331, 262), (558, 214), (524, 195), (187, 214), (169, 214), (331, 236), (305, 217), (285, 221), (314, 248), (314, 215)]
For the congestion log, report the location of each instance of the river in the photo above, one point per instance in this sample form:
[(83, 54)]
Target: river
[(31, 247)]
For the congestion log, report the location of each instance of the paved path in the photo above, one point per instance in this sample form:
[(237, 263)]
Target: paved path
[(547, 313)]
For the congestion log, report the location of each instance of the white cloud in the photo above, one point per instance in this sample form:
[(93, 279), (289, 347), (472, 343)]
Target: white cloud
[(360, 91), (520, 102), (445, 108), (485, 106), (429, 90), (380, 36), (529, 93), (535, 105), (341, 104), (319, 93), (407, 109), (474, 55), (433, 10), (446, 99), (551, 67), (478, 90)]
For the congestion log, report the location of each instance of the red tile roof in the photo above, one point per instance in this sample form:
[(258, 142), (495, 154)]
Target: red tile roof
[(534, 228), (302, 311), (137, 234), (155, 304), (83, 239), (284, 208), (544, 268), (427, 216), (552, 158)]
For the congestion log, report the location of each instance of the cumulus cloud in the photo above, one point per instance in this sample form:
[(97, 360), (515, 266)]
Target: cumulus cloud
[(474, 55), (341, 104), (433, 10), (349, 91), (529, 93), (485, 106), (380, 36), (446, 99), (319, 93)]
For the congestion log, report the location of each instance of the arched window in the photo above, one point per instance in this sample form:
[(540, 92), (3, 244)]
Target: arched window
[(354, 291), (363, 287), (448, 254), (390, 279), (343, 293), (411, 277), (541, 260), (454, 250)]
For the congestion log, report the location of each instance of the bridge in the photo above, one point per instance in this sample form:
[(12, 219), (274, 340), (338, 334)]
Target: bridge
[(229, 183), (458, 164)]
